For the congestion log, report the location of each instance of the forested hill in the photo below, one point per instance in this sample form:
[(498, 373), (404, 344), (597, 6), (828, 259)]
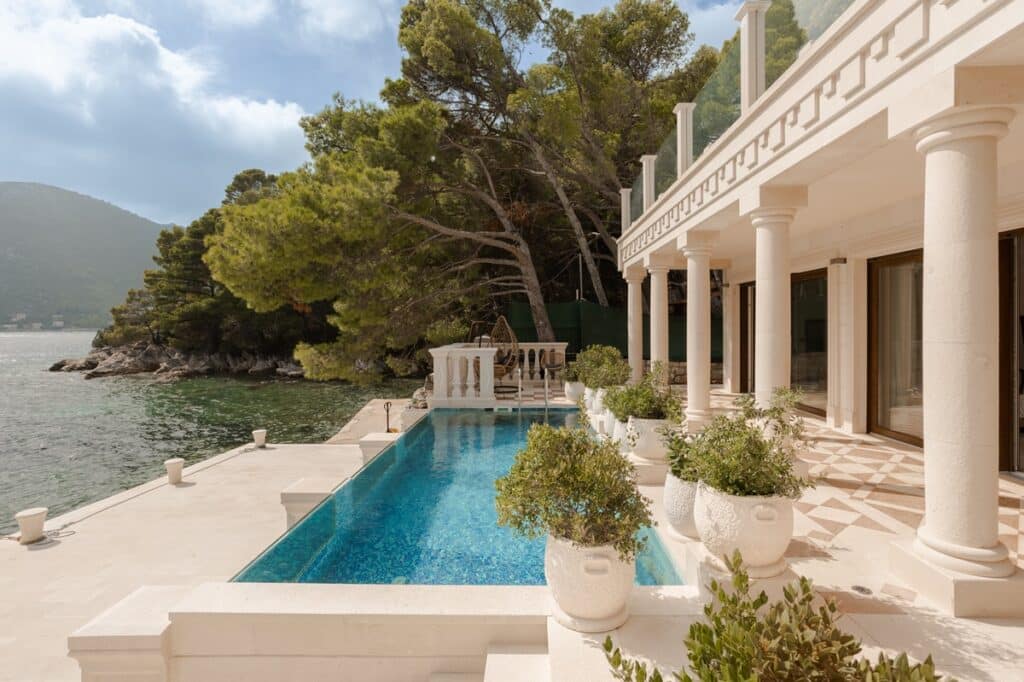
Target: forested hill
[(64, 253)]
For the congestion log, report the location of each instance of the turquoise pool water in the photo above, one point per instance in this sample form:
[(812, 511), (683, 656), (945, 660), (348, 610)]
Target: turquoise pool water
[(423, 513)]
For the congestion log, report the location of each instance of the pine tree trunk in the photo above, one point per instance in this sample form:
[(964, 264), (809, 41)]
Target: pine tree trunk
[(545, 332), (574, 221)]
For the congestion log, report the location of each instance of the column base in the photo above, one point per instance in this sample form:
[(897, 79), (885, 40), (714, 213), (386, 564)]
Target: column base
[(958, 594), (648, 472), (696, 420)]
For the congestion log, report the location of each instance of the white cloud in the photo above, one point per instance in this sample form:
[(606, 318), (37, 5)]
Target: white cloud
[(79, 58), (229, 13), (712, 23), (348, 19)]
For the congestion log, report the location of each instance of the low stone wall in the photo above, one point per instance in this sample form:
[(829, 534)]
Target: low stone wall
[(677, 372)]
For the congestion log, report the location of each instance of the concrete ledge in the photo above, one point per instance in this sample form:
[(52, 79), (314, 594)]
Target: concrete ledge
[(302, 496), (410, 417), (957, 594), (130, 640), (372, 444)]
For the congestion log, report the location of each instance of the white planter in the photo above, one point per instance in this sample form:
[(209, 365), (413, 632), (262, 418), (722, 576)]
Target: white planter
[(759, 527), (573, 390), (30, 523), (259, 438), (596, 411), (680, 496), (621, 434), (648, 442), (609, 422), (174, 468), (590, 585), (588, 397)]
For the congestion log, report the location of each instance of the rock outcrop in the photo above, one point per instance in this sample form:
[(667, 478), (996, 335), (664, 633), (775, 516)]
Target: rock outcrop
[(170, 363)]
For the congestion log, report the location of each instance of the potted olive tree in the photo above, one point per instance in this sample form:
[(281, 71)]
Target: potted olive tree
[(745, 496), (600, 367), (779, 419), (652, 410), (681, 482), (582, 495), (573, 386)]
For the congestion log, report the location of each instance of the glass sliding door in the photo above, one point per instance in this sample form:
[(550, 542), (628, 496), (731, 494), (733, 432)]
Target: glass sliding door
[(895, 376), (809, 334)]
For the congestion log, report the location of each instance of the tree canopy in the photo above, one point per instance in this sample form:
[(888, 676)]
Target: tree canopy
[(481, 175)]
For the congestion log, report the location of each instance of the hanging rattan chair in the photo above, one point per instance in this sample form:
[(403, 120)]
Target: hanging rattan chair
[(507, 358)]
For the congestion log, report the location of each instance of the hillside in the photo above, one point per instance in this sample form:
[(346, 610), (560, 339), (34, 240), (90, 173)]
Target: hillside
[(64, 253)]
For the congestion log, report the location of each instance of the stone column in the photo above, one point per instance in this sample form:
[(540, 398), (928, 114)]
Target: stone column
[(772, 345), (960, 343), (659, 314), (752, 50), (647, 162), (684, 136), (698, 337), (635, 321), (625, 210)]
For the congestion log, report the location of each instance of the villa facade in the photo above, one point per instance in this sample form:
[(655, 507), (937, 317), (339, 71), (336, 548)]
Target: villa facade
[(867, 213)]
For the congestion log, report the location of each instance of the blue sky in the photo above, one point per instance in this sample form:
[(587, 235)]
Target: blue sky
[(154, 105)]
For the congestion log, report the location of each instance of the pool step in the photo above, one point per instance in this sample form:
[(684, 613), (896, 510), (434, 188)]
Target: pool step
[(517, 663)]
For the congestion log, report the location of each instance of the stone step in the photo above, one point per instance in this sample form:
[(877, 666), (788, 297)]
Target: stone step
[(517, 663), (456, 677)]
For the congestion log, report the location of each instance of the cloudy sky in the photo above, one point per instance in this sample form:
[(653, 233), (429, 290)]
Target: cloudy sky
[(154, 105)]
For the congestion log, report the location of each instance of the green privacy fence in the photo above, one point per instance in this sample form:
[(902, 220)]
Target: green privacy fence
[(585, 324)]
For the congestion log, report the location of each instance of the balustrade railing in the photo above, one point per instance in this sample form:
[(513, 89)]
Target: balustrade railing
[(464, 372)]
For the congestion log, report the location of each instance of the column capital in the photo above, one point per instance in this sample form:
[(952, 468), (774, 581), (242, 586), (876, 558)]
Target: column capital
[(962, 123), (751, 6), (658, 269), (697, 251), (777, 197), (763, 217), (626, 193), (634, 274), (683, 107)]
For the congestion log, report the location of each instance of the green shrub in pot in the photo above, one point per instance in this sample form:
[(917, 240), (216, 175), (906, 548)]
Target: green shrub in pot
[(680, 491), (792, 640), (650, 409), (580, 493), (744, 500), (601, 367)]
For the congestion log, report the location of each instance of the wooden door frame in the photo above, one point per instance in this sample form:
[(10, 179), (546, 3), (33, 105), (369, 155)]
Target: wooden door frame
[(915, 255), (818, 273), (1009, 321), (746, 336)]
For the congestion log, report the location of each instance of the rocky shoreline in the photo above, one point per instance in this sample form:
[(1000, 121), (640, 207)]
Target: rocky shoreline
[(169, 363)]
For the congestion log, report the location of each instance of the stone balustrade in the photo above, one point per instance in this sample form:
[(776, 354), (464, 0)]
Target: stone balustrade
[(464, 372)]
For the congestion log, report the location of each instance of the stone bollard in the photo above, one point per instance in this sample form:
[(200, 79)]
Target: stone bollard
[(30, 523), (174, 467), (259, 437)]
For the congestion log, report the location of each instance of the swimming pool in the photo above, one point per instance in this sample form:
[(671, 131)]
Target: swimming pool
[(423, 513)]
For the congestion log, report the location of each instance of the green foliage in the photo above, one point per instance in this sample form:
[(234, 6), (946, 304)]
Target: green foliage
[(600, 367), (682, 455), (746, 638), (649, 398), (567, 484), (735, 454), (185, 305), (779, 418)]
